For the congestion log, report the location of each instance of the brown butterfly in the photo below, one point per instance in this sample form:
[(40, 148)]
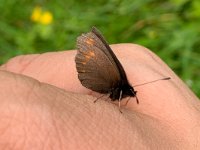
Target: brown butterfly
[(99, 69)]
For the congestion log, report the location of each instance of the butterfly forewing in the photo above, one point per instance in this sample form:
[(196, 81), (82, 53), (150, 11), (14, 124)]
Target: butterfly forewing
[(95, 73), (111, 55)]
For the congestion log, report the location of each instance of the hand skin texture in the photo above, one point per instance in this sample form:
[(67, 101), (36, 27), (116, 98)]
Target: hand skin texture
[(43, 106)]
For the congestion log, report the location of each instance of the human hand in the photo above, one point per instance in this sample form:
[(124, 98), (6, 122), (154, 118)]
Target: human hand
[(44, 106)]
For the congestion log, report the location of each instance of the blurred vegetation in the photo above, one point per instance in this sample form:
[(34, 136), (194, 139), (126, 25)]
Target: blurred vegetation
[(170, 28)]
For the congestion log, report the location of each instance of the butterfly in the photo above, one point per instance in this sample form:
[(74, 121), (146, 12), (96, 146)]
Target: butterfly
[(99, 69)]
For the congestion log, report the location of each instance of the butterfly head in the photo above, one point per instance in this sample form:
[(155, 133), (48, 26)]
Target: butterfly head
[(128, 91)]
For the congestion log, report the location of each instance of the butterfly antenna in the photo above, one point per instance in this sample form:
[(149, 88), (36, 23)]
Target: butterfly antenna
[(166, 78)]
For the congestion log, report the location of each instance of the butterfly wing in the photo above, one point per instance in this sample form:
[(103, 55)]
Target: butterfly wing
[(96, 68), (108, 51)]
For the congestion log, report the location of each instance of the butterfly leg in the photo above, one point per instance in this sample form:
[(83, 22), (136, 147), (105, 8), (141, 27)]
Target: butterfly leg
[(134, 92), (119, 101), (98, 98), (137, 99), (127, 102)]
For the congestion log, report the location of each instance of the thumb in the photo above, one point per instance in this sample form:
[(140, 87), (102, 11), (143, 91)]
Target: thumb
[(41, 114)]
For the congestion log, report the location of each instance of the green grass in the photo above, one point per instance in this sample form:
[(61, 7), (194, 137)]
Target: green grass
[(170, 28)]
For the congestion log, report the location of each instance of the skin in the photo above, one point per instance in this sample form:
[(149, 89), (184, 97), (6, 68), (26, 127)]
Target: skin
[(44, 106)]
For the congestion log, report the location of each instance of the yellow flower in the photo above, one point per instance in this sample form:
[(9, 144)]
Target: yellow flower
[(46, 18), (36, 14), (42, 17)]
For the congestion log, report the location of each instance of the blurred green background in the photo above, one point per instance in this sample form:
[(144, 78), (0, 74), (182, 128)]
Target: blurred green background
[(170, 28)]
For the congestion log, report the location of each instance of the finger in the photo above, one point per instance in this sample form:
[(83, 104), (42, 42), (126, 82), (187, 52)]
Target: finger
[(58, 68), (55, 68)]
